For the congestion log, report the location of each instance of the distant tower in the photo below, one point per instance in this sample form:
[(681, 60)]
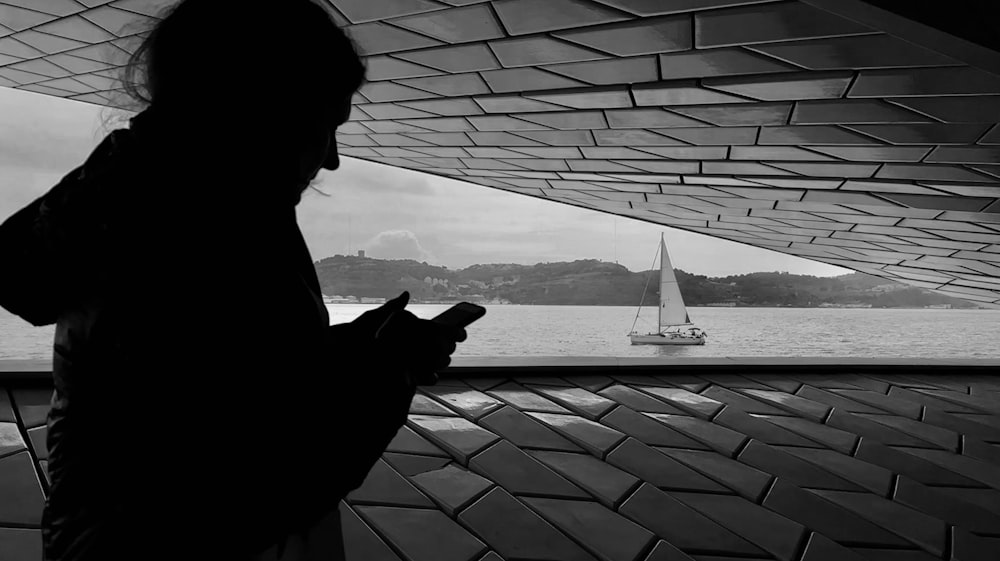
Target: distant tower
[(361, 253)]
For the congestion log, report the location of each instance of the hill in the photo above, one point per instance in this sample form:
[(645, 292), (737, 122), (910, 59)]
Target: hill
[(593, 282)]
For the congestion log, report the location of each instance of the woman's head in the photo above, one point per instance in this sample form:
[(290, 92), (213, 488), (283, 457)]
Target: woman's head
[(277, 73)]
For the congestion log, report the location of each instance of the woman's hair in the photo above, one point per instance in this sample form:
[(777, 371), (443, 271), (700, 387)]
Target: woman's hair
[(232, 55)]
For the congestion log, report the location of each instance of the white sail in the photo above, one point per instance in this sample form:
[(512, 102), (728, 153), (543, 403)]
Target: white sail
[(672, 310)]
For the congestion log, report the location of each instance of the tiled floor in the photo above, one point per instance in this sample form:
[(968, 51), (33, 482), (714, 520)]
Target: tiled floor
[(648, 468)]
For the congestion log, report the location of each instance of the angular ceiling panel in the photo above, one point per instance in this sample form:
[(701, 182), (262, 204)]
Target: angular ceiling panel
[(864, 142)]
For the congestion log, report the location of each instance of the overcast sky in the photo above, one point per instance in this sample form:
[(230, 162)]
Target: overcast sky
[(393, 213)]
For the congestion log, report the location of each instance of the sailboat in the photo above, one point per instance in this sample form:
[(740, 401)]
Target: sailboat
[(674, 323)]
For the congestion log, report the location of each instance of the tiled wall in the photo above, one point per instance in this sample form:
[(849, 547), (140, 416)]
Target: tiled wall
[(626, 467)]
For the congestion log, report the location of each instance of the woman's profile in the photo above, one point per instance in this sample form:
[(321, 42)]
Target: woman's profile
[(204, 408)]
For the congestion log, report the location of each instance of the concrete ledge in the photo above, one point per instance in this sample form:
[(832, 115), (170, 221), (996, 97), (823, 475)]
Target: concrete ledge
[(465, 367)]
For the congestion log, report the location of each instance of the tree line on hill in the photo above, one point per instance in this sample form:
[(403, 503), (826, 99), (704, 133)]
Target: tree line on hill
[(593, 282)]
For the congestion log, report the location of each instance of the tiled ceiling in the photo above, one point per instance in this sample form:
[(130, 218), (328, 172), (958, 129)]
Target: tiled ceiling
[(779, 124)]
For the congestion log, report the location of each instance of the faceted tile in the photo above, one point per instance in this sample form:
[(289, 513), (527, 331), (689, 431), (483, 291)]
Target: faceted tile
[(458, 58), (424, 534), (22, 494), (719, 438), (609, 535), (821, 548), (986, 404), (962, 80), (827, 518), (794, 470), (459, 25), (6, 410), (796, 404), (647, 430), (592, 383), (965, 426), (781, 87), (537, 50), (659, 469), (942, 437), (739, 115), (423, 405), (880, 400), (745, 480), (459, 437), (961, 109), (642, 37), (968, 546), (10, 439), (713, 135), (740, 402), (835, 400), (661, 512), (407, 442), (526, 79), (609, 72), (813, 134), (865, 427), (383, 486), (583, 402), (595, 438), (452, 487), (360, 542), (679, 93), (688, 401), (666, 552), (377, 38), (468, 402), (718, 62), (874, 478), (33, 404), (522, 17), (945, 507), (841, 441), (769, 23), (636, 400), (924, 133), (880, 154), (525, 399), (37, 436), (410, 465), (911, 466), (869, 51), (894, 554), (987, 499), (526, 432), (610, 485), (760, 429), (520, 474), (923, 530), (775, 534), (897, 392), (21, 544), (852, 111), (969, 467), (523, 535)]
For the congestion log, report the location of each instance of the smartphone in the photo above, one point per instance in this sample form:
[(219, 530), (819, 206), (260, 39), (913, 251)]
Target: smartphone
[(460, 315)]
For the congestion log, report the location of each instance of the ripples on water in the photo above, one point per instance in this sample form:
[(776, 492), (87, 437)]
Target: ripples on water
[(602, 331)]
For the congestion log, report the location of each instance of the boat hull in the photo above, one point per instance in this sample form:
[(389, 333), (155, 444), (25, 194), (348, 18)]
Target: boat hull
[(666, 339)]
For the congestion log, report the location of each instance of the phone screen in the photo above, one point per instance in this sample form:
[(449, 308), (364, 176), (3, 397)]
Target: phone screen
[(460, 315)]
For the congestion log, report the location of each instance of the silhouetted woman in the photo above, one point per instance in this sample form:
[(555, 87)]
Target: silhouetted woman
[(203, 407)]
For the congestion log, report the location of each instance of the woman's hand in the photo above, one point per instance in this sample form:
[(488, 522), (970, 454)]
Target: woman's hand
[(419, 348)]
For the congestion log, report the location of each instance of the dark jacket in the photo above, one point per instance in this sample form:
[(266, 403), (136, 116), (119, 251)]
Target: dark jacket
[(203, 407)]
